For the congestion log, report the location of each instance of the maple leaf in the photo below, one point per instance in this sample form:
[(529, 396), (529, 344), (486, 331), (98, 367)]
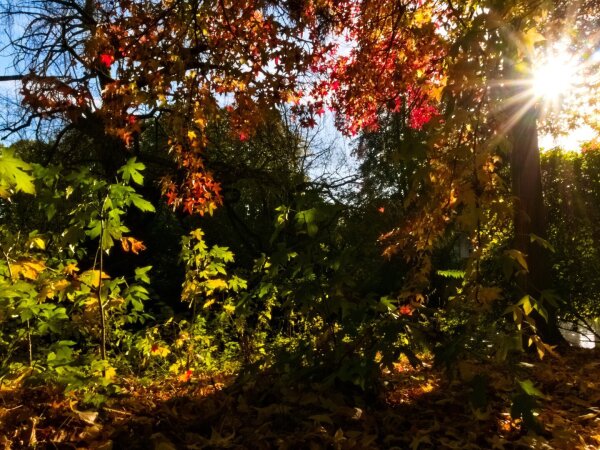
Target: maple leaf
[(132, 171), (106, 59), (93, 277), (29, 269), (13, 173), (186, 376), (132, 244), (71, 269), (171, 197), (157, 350)]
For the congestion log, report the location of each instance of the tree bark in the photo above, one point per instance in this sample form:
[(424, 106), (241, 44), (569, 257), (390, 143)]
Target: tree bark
[(530, 219)]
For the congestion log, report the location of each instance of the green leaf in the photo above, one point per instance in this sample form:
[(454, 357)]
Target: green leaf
[(236, 284), (222, 253), (456, 274), (141, 274), (542, 242), (107, 239), (519, 257), (131, 171), (308, 218), (142, 204), (523, 406), (530, 389), (94, 229), (526, 303), (13, 173)]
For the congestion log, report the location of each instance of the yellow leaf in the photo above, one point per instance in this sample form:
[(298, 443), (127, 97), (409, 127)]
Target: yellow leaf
[(110, 373), (61, 285), (197, 234), (532, 37), (185, 377), (181, 339), (427, 387), (422, 17), (29, 269), (436, 92), (37, 242), (208, 303), (216, 284), (201, 122), (158, 350), (50, 290), (71, 268), (92, 277), (192, 135)]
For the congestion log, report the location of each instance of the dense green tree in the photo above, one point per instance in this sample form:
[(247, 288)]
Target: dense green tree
[(571, 192)]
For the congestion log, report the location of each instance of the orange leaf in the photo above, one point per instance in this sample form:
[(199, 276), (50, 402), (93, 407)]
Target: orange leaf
[(406, 310), (185, 377), (132, 244)]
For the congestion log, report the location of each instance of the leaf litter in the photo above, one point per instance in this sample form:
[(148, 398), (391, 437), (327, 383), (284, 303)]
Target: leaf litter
[(417, 408)]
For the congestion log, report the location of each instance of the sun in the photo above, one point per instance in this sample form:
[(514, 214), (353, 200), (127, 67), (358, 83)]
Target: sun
[(562, 83), (555, 76)]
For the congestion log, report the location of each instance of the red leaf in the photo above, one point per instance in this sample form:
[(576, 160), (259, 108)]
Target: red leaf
[(406, 310), (107, 59)]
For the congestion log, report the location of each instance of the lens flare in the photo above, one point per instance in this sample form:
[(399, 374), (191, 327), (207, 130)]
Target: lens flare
[(555, 77)]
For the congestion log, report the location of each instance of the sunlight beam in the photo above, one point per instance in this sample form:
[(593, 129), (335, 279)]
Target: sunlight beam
[(555, 77)]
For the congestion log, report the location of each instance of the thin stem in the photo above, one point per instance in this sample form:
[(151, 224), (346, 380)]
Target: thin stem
[(29, 344), (100, 304), (100, 258), (192, 337)]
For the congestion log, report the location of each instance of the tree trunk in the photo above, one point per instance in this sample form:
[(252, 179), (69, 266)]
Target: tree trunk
[(530, 219)]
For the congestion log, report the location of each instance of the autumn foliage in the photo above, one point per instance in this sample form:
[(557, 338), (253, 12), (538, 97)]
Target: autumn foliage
[(193, 64), (176, 216)]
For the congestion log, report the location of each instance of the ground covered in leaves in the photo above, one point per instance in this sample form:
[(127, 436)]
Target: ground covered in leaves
[(419, 409)]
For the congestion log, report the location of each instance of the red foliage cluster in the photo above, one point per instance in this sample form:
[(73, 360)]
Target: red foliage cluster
[(353, 57), (107, 60), (199, 193)]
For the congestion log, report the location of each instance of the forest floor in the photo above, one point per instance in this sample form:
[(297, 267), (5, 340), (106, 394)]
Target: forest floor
[(419, 409)]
